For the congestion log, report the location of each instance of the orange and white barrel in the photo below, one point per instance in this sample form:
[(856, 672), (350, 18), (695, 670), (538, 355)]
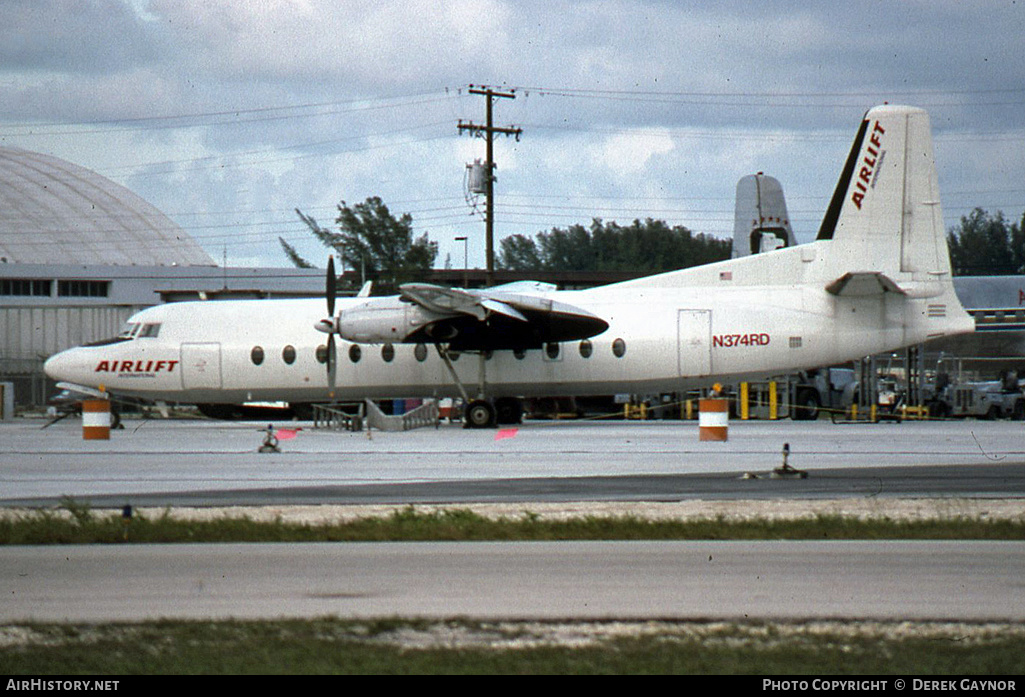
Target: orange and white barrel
[(713, 419), (96, 419)]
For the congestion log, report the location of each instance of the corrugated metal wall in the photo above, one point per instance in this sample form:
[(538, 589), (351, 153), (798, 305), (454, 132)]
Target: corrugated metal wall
[(34, 332), (29, 335)]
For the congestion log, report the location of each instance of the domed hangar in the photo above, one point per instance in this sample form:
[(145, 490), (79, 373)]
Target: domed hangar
[(55, 212)]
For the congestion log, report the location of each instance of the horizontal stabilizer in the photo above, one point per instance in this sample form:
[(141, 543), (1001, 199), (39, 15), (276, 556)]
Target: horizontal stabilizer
[(863, 283)]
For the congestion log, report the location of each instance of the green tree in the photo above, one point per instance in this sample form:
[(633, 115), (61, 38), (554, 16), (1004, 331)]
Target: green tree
[(651, 246), (372, 240), (985, 244)]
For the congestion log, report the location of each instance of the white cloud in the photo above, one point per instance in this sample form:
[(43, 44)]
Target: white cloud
[(628, 154)]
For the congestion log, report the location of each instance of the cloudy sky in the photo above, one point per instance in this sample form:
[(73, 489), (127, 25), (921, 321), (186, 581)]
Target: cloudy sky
[(228, 115)]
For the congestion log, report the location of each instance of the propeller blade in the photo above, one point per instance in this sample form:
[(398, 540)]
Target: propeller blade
[(330, 291), (332, 364), (329, 325)]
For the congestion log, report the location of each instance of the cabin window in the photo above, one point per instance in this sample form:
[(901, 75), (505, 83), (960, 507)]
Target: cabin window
[(388, 353), (619, 348), (552, 349), (288, 355), (355, 353), (321, 354), (586, 348), (256, 355), (420, 352)]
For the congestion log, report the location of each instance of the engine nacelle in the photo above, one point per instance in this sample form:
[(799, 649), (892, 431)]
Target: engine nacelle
[(382, 320)]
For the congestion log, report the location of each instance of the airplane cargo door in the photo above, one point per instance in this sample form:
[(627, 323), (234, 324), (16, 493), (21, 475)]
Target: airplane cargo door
[(201, 366), (694, 337)]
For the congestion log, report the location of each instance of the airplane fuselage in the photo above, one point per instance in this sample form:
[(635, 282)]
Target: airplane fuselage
[(658, 340)]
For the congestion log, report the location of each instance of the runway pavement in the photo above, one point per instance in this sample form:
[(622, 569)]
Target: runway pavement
[(747, 581), (162, 462)]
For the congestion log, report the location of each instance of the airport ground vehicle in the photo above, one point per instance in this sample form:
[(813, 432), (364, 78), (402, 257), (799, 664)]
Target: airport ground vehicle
[(824, 388), (992, 399)]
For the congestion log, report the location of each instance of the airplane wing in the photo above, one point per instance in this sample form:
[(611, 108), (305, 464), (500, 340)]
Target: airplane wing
[(494, 319), (452, 300), (467, 320)]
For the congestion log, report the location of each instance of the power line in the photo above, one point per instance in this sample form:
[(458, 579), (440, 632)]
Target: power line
[(218, 118), (774, 99)]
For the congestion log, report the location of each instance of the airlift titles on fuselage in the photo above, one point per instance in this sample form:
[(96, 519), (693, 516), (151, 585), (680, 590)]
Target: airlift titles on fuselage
[(136, 368), (876, 279)]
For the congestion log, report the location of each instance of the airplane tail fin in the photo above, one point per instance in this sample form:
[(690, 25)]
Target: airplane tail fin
[(885, 214), (760, 220)]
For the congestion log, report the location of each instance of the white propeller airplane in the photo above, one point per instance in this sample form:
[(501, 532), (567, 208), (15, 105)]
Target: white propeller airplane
[(877, 279)]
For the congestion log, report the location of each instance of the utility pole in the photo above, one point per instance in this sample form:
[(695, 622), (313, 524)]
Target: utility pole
[(466, 257), (488, 132)]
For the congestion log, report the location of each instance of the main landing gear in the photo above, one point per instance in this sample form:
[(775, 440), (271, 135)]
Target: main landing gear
[(482, 412)]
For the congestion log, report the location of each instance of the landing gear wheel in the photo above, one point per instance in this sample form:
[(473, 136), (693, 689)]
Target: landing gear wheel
[(479, 414), (508, 410)]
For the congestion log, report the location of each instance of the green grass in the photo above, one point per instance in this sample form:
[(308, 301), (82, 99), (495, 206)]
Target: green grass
[(459, 646), (84, 526)]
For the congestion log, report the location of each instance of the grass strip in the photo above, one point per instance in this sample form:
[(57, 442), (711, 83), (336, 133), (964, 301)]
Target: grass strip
[(84, 526), (456, 646)]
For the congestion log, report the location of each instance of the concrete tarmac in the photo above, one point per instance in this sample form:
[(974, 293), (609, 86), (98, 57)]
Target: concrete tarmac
[(167, 462)]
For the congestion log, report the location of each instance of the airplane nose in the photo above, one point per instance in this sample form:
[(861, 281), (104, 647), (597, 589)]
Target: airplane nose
[(59, 366)]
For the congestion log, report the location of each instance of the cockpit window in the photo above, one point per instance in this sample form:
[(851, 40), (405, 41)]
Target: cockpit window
[(151, 331), (129, 330)]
